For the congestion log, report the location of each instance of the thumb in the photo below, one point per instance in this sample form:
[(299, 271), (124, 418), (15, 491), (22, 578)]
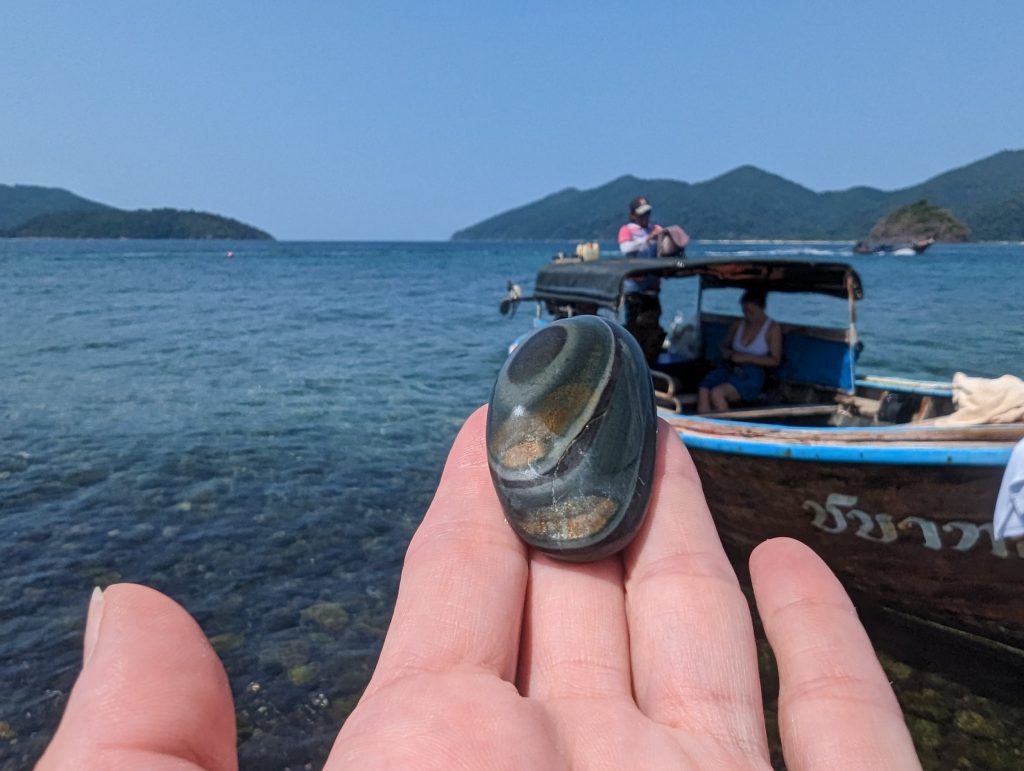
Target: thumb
[(151, 694)]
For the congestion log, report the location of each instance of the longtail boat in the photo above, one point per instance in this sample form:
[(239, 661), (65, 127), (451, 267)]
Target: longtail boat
[(867, 470)]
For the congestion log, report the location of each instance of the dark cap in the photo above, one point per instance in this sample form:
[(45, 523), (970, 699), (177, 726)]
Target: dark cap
[(639, 205)]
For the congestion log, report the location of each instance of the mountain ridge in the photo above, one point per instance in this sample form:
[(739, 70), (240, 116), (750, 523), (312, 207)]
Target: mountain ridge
[(748, 202)]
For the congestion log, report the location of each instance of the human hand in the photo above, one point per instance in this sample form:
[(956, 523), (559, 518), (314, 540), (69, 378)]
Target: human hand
[(498, 657)]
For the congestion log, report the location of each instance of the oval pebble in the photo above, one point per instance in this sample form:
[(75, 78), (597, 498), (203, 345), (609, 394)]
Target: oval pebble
[(571, 433)]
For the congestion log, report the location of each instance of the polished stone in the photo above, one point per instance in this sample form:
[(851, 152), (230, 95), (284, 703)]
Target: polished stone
[(571, 433)]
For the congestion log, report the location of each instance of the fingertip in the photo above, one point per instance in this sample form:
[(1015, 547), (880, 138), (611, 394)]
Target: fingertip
[(672, 453), (92, 624), (141, 618), (465, 507), (151, 685), (477, 418), (469, 447), (784, 571), (780, 554), (475, 424)]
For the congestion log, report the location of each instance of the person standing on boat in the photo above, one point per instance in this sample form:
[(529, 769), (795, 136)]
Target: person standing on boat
[(638, 238), (751, 346)]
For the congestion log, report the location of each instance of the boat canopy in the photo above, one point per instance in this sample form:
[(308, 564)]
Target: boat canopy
[(600, 281)]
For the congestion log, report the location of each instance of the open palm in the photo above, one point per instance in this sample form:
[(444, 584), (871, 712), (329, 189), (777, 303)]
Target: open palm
[(499, 658)]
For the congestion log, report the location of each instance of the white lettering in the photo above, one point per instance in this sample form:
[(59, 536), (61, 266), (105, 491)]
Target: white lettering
[(832, 519)]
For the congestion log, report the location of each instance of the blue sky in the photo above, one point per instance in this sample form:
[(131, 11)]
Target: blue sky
[(408, 120)]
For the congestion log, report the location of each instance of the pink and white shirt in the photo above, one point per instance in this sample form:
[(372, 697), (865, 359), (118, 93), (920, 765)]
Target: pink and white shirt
[(633, 240)]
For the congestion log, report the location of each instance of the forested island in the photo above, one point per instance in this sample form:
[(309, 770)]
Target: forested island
[(919, 221), (144, 223), (39, 212), (985, 198)]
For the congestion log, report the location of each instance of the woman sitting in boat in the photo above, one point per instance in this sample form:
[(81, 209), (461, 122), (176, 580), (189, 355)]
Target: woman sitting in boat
[(752, 345)]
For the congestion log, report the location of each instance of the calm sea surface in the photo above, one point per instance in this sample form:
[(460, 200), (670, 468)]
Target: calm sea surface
[(258, 437)]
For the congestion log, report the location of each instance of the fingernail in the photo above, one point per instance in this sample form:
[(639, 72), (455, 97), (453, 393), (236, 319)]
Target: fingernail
[(92, 625)]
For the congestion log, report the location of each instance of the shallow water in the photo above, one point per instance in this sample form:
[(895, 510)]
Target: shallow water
[(259, 436)]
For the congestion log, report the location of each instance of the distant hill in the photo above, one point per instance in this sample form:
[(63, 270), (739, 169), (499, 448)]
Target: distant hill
[(28, 211), (144, 223), (987, 196), (20, 203)]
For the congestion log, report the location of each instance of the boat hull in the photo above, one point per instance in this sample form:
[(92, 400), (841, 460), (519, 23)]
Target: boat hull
[(910, 537)]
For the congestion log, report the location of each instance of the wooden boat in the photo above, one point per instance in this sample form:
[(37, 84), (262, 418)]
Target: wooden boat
[(898, 502)]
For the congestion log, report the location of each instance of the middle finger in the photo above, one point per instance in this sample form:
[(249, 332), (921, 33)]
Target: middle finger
[(575, 643), (693, 651)]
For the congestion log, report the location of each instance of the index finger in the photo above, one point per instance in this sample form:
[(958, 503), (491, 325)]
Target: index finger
[(460, 600)]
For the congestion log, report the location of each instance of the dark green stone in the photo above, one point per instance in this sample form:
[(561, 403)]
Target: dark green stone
[(571, 435)]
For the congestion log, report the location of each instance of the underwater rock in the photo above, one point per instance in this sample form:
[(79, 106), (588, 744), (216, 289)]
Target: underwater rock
[(302, 674), (327, 615), (926, 734), (975, 724), (226, 643), (571, 433)]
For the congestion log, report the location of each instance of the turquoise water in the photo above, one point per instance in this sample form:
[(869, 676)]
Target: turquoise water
[(259, 436)]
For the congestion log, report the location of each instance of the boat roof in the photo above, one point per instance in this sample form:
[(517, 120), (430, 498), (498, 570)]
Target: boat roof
[(600, 281)]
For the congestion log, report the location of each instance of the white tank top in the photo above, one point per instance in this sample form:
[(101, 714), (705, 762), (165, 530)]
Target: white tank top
[(759, 345)]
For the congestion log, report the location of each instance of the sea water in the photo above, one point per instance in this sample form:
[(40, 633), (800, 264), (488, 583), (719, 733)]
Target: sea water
[(256, 429)]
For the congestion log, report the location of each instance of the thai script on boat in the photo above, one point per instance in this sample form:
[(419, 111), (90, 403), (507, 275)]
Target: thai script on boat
[(838, 515)]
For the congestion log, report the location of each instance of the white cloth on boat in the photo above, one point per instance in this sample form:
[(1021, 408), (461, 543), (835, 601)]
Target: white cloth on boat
[(1008, 519), (985, 400)]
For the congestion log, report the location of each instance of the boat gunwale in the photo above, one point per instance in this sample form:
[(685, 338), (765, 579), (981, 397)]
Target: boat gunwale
[(915, 454), (909, 444)]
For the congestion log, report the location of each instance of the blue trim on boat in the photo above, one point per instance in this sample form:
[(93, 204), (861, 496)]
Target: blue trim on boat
[(852, 453), (881, 385)]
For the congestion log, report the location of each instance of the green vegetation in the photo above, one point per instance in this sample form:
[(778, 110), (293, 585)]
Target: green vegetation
[(20, 203), (27, 211), (154, 223), (916, 222), (987, 197), (1003, 221)]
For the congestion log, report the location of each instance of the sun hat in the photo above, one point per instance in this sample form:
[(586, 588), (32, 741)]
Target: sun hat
[(639, 205)]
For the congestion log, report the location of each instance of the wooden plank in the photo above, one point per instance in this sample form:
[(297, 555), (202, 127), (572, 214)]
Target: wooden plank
[(908, 433), (775, 411)]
